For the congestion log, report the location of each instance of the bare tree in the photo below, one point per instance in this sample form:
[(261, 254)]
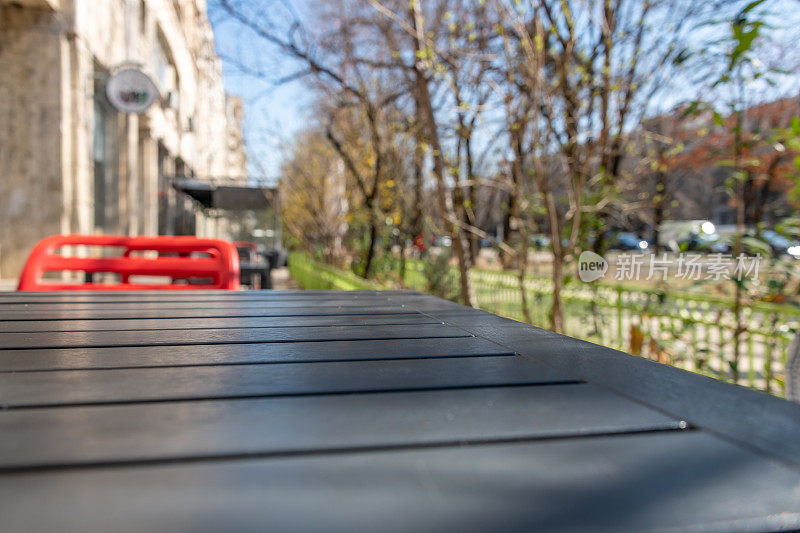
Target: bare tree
[(355, 91), (591, 70)]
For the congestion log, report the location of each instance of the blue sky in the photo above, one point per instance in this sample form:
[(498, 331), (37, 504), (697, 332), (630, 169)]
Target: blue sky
[(273, 113)]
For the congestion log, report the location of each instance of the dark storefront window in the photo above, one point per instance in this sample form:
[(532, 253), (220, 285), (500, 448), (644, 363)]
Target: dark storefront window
[(185, 218), (104, 154), (166, 196)]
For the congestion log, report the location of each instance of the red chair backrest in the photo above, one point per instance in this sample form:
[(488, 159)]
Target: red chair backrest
[(245, 244), (219, 263)]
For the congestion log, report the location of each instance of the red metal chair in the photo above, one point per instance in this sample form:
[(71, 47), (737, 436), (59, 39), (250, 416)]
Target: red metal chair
[(180, 258)]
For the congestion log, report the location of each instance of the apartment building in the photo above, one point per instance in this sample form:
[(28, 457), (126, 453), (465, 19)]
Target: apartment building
[(70, 161)]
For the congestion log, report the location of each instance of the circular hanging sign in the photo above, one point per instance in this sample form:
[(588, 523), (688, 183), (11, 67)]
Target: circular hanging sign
[(131, 91)]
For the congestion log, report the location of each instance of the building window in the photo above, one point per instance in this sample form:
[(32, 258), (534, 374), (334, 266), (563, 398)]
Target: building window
[(175, 94), (166, 73), (185, 218), (142, 17), (166, 194), (162, 63)]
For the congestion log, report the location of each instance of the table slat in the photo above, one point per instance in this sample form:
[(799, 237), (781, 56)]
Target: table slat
[(28, 389), (74, 339), (46, 315), (647, 482), (26, 326), (185, 430), (224, 354)]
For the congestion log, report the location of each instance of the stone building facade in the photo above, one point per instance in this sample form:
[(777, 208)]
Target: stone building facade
[(69, 162)]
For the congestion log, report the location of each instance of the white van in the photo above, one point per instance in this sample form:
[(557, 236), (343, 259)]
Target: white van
[(697, 234)]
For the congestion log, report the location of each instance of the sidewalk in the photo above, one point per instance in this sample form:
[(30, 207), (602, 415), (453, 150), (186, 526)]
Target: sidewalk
[(281, 280)]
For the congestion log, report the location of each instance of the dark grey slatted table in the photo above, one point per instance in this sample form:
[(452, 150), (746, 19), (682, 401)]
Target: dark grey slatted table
[(388, 411)]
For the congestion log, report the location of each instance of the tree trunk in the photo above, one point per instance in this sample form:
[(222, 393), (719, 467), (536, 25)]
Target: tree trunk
[(474, 242), (758, 209), (516, 213), (556, 311), (425, 109), (465, 201), (658, 206), (506, 258), (738, 248), (373, 238), (417, 221), (522, 269), (402, 269)]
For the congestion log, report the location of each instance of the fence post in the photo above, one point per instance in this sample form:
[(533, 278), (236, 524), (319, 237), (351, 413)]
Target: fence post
[(620, 338), (791, 374)]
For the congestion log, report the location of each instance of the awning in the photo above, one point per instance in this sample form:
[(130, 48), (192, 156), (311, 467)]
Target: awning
[(227, 196)]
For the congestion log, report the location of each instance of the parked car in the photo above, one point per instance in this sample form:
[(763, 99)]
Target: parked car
[(780, 244), (691, 235), (766, 241), (540, 241), (624, 240), (621, 240)]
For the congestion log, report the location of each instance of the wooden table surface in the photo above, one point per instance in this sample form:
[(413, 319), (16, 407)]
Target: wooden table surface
[(354, 411)]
